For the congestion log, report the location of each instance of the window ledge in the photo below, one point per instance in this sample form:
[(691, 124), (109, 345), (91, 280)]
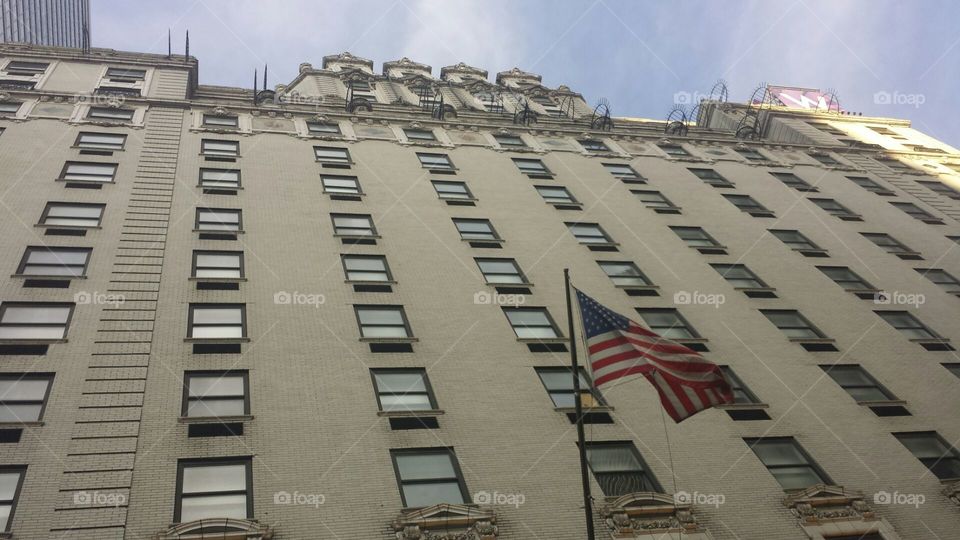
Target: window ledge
[(214, 419), (600, 244), (216, 340), (345, 164), (544, 340), (882, 403), (385, 282), (410, 414), (812, 340), (357, 236), (462, 199), (742, 406), (31, 341), (207, 231), (692, 340), (86, 182), (596, 408), (389, 340), (486, 240), (46, 278), (811, 251), (540, 176), (638, 287), (35, 423), (221, 188), (930, 340), (524, 284), (217, 280), (231, 156), (755, 289), (71, 227), (444, 170)]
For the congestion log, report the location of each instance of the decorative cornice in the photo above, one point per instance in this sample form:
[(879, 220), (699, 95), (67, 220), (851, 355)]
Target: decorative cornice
[(824, 503), (405, 63), (447, 522), (517, 73), (226, 528), (648, 512), (464, 69), (346, 58)]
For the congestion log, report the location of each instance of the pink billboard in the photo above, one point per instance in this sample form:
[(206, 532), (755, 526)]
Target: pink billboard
[(803, 98)]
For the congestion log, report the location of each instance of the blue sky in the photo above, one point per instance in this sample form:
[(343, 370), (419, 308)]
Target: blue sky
[(637, 54)]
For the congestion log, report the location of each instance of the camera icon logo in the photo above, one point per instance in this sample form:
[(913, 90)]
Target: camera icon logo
[(682, 297), (482, 297), (881, 297), (882, 98), (682, 497), (482, 497), (282, 297), (81, 498), (282, 497), (82, 297), (882, 497)]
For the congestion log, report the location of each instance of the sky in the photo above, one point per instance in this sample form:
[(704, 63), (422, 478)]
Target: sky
[(883, 58)]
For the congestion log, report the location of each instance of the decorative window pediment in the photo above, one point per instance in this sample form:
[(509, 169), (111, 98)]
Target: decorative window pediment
[(447, 522), (647, 513), (219, 529), (819, 508)]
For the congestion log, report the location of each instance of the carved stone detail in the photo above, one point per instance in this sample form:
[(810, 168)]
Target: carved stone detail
[(952, 491), (447, 522), (228, 528), (644, 512), (824, 503)]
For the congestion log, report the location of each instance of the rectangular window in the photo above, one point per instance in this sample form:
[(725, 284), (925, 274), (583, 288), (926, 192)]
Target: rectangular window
[(846, 278), (655, 200), (668, 323), (452, 190), (217, 321), (739, 276), (674, 150), (215, 393), (220, 178), (741, 394), (870, 185), (9, 107), (795, 240), (218, 264), (510, 141), (934, 452), (317, 128), (793, 324), (916, 212), (556, 195), (888, 243), (942, 278), (428, 476), (857, 382), (836, 209), (54, 261), (227, 121), (533, 167), (752, 154), (26, 68), (696, 237), (531, 323), (558, 381), (126, 75), (952, 367), (749, 205), (34, 320), (711, 177), (340, 185), (366, 268), (77, 171), (353, 225), (551, 108), (214, 488), (362, 89), (101, 141), (793, 181), (72, 214), (936, 187), (333, 156), (625, 274), (619, 469), (435, 161), (589, 233), (23, 397), (419, 134), (11, 480), (825, 159), (894, 164), (210, 147), (219, 220), (475, 229), (908, 325), (592, 145), (404, 389), (788, 462), (383, 322), (501, 271), (624, 172), (109, 113)]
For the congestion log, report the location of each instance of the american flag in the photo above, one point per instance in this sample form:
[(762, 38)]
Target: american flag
[(687, 382)]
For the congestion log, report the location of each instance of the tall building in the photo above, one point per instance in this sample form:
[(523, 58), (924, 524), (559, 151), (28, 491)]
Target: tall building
[(335, 309), (56, 23)]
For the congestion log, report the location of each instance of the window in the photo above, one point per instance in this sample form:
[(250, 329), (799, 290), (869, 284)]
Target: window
[(452, 190), (340, 185), (592, 145), (215, 393), (827, 128), (219, 220), (533, 167), (836, 209), (99, 173), (625, 274), (209, 147), (796, 241), (825, 159), (366, 268), (435, 162), (353, 225), (54, 261), (741, 394), (548, 105), (101, 141), (214, 488), (419, 135), (667, 323), (125, 75), (475, 229), (916, 212), (954, 239), (34, 320), (109, 113), (531, 323), (870, 185), (403, 390), (793, 324), (11, 480), (953, 368), (227, 121), (501, 271), (220, 179), (217, 321), (674, 150), (589, 233), (317, 128), (218, 264), (934, 452), (908, 325), (857, 382), (846, 278), (509, 141), (619, 469), (558, 382), (26, 68), (557, 195), (333, 156), (711, 177), (793, 181), (656, 200), (936, 187), (9, 107), (882, 130), (382, 322), (890, 245), (747, 204), (23, 396), (752, 154), (72, 214), (894, 164), (624, 172), (362, 89), (697, 238), (428, 476), (788, 462), (739, 276), (941, 278)]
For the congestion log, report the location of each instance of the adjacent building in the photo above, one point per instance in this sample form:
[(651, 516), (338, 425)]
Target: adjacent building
[(56, 23)]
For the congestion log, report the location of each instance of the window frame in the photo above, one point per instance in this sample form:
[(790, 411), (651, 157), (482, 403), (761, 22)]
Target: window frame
[(328, 132), (241, 267), (66, 324), (607, 239), (24, 261), (14, 502), (586, 387), (808, 462), (665, 205), (205, 151), (499, 137), (346, 269), (812, 246), (812, 328), (182, 464), (674, 150), (469, 196), (557, 334), (425, 378), (421, 135), (835, 208), (66, 168), (901, 248), (193, 306), (78, 142), (633, 177), (189, 374), (754, 208), (495, 236), (337, 234), (950, 452), (714, 244), (442, 450), (45, 215), (915, 211), (345, 160), (874, 383), (869, 184), (339, 191), (752, 276), (660, 330), (447, 166), (206, 123), (867, 286), (946, 284), (228, 185), (647, 282), (752, 155), (542, 171), (516, 266), (792, 180), (711, 177), (570, 200), (649, 478), (594, 146), (32, 376), (108, 114), (408, 331), (737, 384), (919, 325), (198, 223)]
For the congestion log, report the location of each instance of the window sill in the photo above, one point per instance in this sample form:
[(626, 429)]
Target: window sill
[(812, 252), (217, 280), (924, 341), (568, 206), (882, 403), (758, 292), (108, 150), (358, 236), (210, 231), (85, 182), (32, 341), (35, 423), (444, 170), (712, 250), (46, 278), (385, 282), (214, 419), (410, 414), (514, 285), (932, 221), (596, 408), (539, 176), (389, 340), (485, 240), (812, 340), (762, 214), (559, 340), (665, 210), (742, 406), (600, 244), (69, 227), (849, 217), (217, 340)]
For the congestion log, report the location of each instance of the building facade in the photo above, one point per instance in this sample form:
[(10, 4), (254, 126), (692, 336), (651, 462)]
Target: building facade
[(55, 23), (335, 309)]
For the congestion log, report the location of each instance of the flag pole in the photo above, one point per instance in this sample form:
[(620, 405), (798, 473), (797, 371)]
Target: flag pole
[(578, 404)]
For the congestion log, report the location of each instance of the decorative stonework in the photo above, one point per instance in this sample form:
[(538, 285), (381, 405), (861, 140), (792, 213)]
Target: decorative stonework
[(447, 522), (824, 503), (647, 513), (952, 491), (226, 529)]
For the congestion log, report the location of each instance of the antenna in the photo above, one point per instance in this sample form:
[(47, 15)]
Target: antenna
[(187, 53), (169, 50), (264, 77), (254, 86)]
